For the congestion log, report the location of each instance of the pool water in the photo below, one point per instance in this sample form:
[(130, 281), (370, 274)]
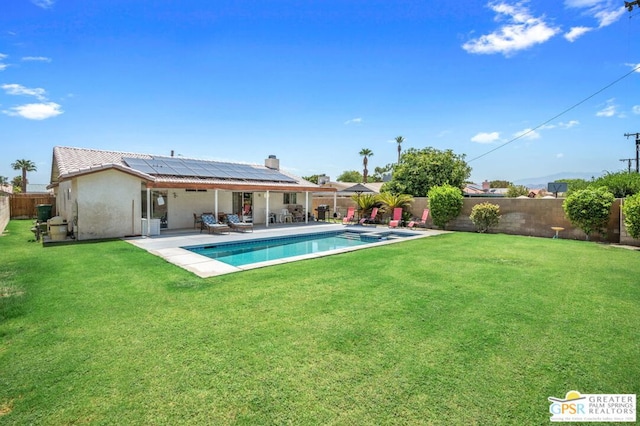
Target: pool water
[(262, 250)]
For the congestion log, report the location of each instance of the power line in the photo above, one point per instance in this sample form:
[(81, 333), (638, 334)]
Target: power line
[(558, 115)]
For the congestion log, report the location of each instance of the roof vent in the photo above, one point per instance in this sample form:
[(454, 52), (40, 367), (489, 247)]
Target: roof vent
[(272, 163)]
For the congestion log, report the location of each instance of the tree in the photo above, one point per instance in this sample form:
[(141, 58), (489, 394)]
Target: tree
[(589, 209), (420, 170), (350, 176), (365, 153), (500, 184), (399, 140), (16, 183), (312, 178), (621, 184), (631, 210), (4, 180), (391, 201), (445, 204), (485, 216), (515, 191), (25, 166), (380, 172)]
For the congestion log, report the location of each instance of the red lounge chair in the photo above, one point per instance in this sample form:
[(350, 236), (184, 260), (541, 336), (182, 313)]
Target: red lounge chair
[(397, 218), (421, 222), (349, 217), (370, 219)]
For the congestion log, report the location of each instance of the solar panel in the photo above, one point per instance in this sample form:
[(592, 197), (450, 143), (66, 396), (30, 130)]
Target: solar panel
[(164, 166)]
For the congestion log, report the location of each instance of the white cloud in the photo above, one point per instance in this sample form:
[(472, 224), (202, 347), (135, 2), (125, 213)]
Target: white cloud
[(2, 57), (527, 134), (635, 67), (486, 137), (45, 4), (569, 124), (576, 32), (605, 12), (608, 17), (39, 111), (636, 109), (559, 155), (521, 31), (36, 59), (17, 89), (609, 110), (354, 121)]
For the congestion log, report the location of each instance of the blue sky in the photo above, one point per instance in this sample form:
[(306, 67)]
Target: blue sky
[(314, 82)]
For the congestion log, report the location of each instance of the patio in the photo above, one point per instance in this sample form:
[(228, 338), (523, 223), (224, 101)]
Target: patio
[(168, 244)]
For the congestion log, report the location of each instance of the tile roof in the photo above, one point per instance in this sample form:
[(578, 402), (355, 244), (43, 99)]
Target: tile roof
[(70, 161)]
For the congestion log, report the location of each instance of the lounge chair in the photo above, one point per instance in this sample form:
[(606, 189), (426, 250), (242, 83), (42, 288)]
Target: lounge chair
[(397, 218), (212, 225), (351, 211), (371, 218), (234, 222), (421, 222)]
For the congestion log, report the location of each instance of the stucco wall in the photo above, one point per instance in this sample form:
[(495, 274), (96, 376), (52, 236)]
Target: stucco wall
[(520, 216), (108, 205), (5, 211)]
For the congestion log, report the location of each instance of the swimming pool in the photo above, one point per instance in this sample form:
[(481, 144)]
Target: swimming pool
[(274, 248)]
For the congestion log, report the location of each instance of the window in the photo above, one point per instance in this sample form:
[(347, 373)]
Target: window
[(290, 198)]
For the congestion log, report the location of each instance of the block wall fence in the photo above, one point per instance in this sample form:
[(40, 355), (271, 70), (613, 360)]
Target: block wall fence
[(519, 216)]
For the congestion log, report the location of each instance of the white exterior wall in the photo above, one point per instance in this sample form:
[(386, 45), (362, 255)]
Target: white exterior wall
[(108, 205), (65, 200)]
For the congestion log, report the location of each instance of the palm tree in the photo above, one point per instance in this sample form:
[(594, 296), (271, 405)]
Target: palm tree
[(4, 180), (366, 153), (399, 139), (391, 201), (25, 166)]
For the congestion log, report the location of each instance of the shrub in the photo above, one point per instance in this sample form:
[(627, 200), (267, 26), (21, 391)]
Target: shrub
[(445, 203), (485, 216), (589, 209), (514, 191), (631, 210)]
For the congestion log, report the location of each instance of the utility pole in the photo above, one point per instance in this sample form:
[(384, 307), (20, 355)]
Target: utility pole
[(637, 135), (628, 160)]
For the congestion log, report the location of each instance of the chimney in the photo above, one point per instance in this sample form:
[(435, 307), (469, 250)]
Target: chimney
[(323, 179), (272, 163), (172, 153), (486, 185)]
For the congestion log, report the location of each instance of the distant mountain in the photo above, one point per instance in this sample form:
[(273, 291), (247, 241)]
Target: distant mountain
[(541, 182)]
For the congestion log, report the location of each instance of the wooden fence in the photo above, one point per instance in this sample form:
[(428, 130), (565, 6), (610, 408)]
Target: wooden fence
[(23, 206)]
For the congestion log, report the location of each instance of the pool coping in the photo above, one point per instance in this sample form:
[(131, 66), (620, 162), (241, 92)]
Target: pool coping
[(169, 247)]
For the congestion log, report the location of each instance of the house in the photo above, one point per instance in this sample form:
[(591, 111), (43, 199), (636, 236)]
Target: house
[(111, 194), (474, 190)]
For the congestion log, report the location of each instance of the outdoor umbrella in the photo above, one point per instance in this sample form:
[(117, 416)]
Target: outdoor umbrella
[(357, 189)]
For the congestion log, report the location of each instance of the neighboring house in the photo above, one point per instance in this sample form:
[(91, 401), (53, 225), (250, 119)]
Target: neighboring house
[(484, 190), (109, 194), (38, 188)]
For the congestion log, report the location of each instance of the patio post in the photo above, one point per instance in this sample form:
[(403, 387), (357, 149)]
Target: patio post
[(306, 206), (148, 211), (215, 203), (266, 198)]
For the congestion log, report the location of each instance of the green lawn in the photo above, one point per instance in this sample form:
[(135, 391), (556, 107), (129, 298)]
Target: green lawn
[(459, 328)]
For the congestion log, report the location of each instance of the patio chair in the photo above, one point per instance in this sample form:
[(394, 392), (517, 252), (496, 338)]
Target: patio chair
[(351, 211), (234, 222), (371, 218), (397, 218), (421, 222), (212, 225), (197, 221)]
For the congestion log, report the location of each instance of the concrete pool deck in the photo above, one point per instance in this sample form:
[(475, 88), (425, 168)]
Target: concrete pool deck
[(168, 245)]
